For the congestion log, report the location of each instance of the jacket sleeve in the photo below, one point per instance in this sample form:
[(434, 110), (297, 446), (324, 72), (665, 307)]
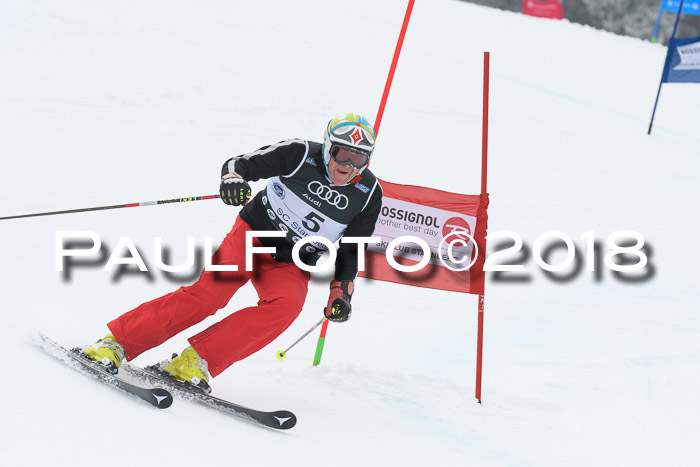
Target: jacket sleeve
[(363, 225), (282, 158)]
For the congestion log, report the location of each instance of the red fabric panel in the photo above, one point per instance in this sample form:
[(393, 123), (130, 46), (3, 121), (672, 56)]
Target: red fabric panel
[(464, 204), (433, 275)]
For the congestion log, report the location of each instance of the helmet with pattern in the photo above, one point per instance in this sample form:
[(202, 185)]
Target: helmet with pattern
[(349, 139)]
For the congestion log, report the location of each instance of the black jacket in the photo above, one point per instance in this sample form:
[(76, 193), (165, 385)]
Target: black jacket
[(300, 200)]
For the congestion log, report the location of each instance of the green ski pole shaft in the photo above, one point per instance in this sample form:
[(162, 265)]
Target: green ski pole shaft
[(320, 344)]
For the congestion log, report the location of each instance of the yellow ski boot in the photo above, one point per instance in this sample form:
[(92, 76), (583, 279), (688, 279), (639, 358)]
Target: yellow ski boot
[(108, 352), (191, 368)]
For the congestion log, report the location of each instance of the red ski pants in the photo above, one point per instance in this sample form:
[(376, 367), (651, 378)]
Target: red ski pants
[(281, 289)]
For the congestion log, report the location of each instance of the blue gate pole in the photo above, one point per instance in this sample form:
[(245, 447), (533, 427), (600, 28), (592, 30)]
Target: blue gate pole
[(666, 65)]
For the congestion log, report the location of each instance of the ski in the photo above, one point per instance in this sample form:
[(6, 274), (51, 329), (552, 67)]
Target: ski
[(158, 397), (279, 419)]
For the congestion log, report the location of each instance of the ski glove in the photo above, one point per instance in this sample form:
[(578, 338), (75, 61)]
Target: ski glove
[(338, 308), (233, 190)]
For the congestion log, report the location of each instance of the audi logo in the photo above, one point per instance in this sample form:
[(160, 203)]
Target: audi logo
[(328, 194)]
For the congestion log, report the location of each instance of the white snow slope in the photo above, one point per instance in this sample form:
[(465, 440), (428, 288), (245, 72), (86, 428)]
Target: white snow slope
[(117, 102)]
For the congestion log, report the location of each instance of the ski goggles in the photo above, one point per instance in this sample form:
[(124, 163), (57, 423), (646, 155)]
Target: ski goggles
[(343, 155)]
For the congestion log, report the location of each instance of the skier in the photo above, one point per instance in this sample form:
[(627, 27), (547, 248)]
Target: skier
[(312, 189)]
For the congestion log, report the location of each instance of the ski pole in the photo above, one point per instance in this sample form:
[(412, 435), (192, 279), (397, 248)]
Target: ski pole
[(115, 206), (281, 354), (319, 345)]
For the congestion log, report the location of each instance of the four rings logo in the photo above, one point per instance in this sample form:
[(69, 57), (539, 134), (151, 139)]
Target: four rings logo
[(329, 195)]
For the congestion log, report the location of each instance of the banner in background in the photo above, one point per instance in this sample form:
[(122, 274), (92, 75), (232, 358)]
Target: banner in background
[(690, 7), (431, 215), (544, 8)]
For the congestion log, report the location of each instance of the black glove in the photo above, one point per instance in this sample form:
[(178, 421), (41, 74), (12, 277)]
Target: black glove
[(338, 308), (234, 190)]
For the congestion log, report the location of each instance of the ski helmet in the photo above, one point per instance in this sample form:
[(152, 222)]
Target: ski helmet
[(349, 131)]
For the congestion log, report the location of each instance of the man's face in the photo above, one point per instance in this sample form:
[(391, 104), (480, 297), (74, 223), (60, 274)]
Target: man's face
[(340, 174)]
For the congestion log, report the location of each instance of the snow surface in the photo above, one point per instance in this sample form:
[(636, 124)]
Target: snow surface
[(116, 102)]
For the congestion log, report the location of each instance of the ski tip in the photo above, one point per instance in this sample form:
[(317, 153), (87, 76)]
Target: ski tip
[(163, 399), (285, 418)]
